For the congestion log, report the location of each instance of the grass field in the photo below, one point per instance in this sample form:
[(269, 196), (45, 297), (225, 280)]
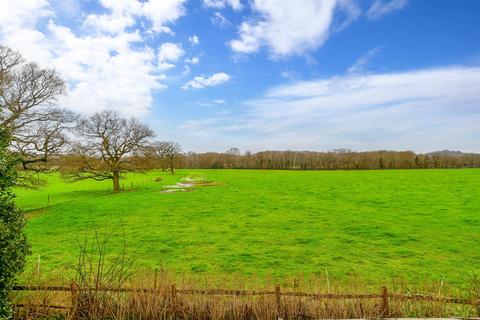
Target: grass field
[(369, 224)]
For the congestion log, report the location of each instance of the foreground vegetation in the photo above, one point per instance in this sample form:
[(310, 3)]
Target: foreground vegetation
[(164, 298), (373, 225)]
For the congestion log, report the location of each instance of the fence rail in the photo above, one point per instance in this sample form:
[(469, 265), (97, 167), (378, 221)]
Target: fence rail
[(384, 296)]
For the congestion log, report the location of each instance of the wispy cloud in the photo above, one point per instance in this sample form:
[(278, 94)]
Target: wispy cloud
[(212, 103), (200, 82), (380, 8), (194, 40), (361, 63), (420, 109), (194, 60), (219, 20), (218, 4)]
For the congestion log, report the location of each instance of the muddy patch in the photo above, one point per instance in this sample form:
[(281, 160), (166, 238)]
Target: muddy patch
[(187, 184), (35, 213)]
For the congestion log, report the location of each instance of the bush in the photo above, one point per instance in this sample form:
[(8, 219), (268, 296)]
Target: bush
[(13, 241)]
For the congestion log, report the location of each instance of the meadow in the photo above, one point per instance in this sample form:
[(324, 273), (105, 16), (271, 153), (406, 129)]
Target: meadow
[(373, 225)]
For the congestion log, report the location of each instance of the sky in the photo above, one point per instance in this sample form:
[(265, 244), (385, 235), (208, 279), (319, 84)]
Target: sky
[(266, 74)]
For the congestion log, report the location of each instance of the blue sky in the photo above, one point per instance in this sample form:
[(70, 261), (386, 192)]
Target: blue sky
[(267, 74)]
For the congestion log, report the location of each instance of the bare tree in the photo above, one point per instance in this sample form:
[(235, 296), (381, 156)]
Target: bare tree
[(233, 151), (28, 96), (39, 140), (107, 147), (332, 160), (23, 88), (169, 152), (231, 157)]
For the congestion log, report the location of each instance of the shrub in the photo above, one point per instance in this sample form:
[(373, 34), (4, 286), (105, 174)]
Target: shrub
[(13, 242)]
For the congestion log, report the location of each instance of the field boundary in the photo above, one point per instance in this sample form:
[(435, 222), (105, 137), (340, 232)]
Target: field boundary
[(173, 291)]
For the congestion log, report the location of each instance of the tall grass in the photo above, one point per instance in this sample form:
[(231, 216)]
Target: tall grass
[(97, 292), (166, 301)]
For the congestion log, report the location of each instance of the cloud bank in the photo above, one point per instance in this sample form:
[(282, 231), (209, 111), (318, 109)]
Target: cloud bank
[(105, 62), (420, 110)]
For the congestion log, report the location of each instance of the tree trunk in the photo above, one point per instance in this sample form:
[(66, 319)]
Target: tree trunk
[(172, 167), (116, 181)]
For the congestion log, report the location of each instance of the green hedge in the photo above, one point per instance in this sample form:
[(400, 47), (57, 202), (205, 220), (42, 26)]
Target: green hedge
[(13, 242)]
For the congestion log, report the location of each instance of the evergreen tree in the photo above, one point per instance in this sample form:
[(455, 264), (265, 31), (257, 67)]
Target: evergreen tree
[(13, 242)]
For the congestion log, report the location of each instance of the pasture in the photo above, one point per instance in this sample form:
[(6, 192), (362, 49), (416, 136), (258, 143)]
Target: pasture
[(375, 225)]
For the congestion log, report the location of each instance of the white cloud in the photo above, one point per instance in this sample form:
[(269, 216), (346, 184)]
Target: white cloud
[(103, 72), (212, 103), (351, 12), (111, 23), (129, 7), (423, 110), (219, 20), (162, 12), (17, 26), (200, 82), (234, 4), (186, 70), (289, 27), (194, 39), (197, 124), (122, 14), (16, 13), (360, 65), (106, 61), (170, 52), (380, 8), (193, 60)]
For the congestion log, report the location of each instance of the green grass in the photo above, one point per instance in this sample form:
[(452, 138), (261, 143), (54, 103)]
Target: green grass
[(369, 224)]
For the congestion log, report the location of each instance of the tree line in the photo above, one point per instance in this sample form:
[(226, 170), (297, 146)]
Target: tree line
[(332, 160)]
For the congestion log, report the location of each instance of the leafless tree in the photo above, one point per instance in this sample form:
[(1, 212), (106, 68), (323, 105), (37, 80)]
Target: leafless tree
[(28, 96), (233, 151), (169, 152), (24, 87), (332, 160), (107, 147), (39, 140)]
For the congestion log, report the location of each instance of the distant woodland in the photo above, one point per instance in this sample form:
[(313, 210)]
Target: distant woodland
[(296, 160), (333, 160)]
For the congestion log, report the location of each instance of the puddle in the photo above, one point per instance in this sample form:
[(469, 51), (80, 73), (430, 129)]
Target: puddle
[(187, 184)]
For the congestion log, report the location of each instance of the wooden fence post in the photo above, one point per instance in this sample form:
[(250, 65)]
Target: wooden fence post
[(385, 311), (74, 296), (155, 279), (174, 293), (278, 299)]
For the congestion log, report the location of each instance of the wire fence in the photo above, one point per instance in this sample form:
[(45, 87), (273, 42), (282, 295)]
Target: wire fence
[(383, 296)]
